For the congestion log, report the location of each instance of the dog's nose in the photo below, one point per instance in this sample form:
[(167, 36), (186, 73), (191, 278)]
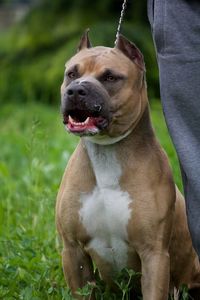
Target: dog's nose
[(76, 91)]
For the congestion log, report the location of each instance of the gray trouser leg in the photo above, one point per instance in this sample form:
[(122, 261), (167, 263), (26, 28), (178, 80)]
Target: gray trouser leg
[(176, 32)]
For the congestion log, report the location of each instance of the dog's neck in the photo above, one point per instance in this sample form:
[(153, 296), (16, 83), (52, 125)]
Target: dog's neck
[(107, 140), (107, 161)]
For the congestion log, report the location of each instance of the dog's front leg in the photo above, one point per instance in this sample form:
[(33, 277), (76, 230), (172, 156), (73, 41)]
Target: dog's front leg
[(78, 268), (155, 275)]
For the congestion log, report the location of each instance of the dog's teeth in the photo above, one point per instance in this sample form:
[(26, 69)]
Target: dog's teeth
[(71, 120), (87, 120)]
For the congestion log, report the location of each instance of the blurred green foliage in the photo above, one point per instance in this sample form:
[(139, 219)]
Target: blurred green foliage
[(33, 52)]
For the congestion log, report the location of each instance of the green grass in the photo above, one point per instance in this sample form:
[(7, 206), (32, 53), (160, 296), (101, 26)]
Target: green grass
[(34, 152)]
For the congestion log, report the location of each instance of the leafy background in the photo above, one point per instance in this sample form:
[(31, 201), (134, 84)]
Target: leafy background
[(33, 52), (34, 146)]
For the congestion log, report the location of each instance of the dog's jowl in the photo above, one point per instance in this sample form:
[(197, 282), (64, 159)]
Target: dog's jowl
[(118, 205)]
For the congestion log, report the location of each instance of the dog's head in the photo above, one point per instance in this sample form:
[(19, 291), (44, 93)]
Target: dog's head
[(101, 91)]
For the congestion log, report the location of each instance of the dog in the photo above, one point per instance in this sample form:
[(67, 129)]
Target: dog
[(117, 204)]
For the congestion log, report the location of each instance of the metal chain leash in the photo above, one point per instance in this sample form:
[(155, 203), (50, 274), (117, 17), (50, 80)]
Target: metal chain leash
[(120, 20)]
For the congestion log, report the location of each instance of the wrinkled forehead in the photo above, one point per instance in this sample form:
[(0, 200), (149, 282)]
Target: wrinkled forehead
[(97, 59)]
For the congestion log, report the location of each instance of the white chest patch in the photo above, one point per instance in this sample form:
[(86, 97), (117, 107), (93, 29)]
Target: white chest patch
[(105, 212)]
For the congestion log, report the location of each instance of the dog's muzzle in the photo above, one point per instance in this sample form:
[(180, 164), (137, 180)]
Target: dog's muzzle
[(85, 108)]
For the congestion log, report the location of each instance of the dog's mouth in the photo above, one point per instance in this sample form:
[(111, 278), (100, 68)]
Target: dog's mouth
[(82, 122)]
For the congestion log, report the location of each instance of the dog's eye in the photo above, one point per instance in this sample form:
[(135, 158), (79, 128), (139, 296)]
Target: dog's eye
[(71, 75), (110, 78)]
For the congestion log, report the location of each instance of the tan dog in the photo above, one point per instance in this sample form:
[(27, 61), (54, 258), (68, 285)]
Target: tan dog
[(117, 204)]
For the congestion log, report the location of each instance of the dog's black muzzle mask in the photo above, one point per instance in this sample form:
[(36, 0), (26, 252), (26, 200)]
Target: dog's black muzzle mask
[(85, 107)]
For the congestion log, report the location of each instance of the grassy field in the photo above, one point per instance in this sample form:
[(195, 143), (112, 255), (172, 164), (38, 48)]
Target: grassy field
[(34, 151)]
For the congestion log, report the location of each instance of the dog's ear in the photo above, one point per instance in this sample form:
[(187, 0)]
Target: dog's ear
[(84, 42), (131, 51)]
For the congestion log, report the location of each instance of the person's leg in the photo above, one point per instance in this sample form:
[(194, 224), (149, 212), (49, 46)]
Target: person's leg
[(176, 32)]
